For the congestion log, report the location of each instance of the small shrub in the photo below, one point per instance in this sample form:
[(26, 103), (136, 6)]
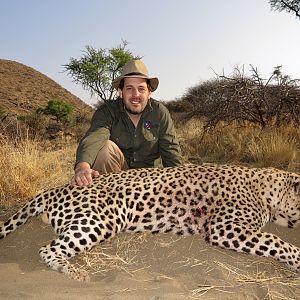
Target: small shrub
[(58, 109), (36, 122)]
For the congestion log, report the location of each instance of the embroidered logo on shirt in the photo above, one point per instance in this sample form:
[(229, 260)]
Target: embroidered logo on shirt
[(148, 125)]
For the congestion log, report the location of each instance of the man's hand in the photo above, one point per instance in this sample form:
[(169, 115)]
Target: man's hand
[(83, 174)]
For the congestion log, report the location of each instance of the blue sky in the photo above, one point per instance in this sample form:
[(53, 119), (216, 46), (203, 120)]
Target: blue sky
[(181, 42)]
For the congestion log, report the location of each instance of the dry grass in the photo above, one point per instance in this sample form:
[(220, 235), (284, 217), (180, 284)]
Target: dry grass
[(118, 254), (276, 147), (30, 166), (235, 276), (28, 169)]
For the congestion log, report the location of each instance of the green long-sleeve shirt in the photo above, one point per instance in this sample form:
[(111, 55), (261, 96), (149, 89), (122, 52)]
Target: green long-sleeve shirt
[(151, 142)]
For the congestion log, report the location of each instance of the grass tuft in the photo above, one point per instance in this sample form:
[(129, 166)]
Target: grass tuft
[(28, 169)]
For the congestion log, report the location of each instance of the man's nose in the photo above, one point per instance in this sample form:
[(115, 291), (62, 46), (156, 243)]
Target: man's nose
[(135, 92)]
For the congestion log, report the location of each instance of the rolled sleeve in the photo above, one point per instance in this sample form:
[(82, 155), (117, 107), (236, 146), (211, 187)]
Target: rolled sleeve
[(90, 145), (96, 137)]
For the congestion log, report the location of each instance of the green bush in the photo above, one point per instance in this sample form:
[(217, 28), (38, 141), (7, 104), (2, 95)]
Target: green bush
[(58, 109)]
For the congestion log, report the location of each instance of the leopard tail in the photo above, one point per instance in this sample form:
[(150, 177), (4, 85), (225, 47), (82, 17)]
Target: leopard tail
[(34, 207)]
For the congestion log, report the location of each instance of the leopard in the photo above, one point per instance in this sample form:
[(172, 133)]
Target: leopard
[(226, 205)]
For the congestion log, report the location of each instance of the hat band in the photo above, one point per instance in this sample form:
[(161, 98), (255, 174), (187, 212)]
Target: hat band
[(135, 73)]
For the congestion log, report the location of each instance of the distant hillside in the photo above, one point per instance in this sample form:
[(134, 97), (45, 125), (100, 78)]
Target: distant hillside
[(23, 90)]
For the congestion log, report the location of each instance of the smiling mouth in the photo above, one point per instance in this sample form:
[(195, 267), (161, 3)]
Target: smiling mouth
[(135, 102)]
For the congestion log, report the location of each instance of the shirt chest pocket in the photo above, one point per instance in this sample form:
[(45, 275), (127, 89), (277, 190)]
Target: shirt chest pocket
[(151, 135), (150, 142)]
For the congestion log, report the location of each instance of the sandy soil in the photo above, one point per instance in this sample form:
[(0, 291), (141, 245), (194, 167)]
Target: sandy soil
[(145, 266)]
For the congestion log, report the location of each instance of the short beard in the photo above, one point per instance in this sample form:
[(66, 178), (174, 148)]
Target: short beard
[(131, 111)]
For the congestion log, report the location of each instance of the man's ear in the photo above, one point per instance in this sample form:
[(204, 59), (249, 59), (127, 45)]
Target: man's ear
[(120, 93)]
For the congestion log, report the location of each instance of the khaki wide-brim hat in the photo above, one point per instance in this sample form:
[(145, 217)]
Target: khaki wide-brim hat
[(136, 68)]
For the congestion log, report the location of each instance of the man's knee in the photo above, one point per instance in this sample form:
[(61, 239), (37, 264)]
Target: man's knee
[(110, 159)]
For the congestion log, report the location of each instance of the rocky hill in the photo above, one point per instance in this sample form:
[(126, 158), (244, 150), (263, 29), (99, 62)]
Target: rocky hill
[(23, 90)]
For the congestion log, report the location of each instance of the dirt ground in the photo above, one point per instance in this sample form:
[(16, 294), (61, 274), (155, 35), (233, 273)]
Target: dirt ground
[(145, 266)]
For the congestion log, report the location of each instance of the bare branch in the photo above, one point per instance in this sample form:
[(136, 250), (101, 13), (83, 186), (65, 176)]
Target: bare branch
[(291, 6), (241, 98)]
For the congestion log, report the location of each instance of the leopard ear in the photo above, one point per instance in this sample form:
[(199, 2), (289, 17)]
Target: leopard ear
[(297, 188)]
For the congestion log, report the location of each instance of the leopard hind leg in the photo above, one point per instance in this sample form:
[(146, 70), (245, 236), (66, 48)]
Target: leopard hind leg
[(73, 241), (243, 238)]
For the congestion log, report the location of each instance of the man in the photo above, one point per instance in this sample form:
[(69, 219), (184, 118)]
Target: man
[(134, 131)]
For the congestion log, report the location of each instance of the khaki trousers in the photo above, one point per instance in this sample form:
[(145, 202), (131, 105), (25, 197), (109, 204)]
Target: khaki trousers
[(110, 159)]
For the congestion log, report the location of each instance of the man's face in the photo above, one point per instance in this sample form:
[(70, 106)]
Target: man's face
[(135, 95)]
